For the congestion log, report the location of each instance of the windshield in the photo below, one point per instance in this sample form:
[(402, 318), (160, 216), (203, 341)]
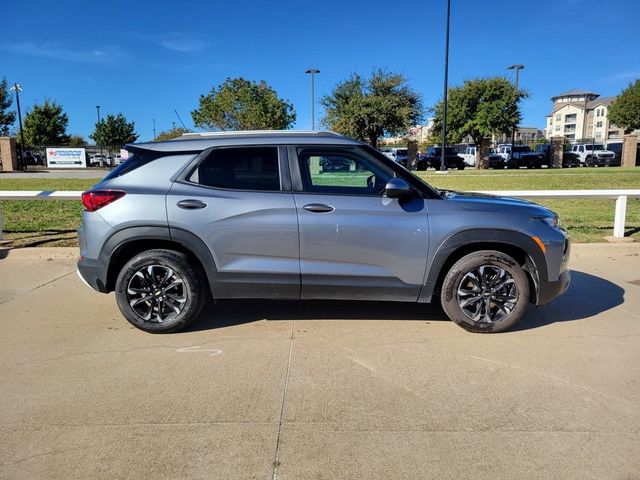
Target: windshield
[(401, 152), (521, 149), (594, 147)]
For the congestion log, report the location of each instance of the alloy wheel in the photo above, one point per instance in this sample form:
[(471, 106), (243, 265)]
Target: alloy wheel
[(487, 294)]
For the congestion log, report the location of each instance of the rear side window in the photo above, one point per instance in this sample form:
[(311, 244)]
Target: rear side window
[(136, 159), (254, 168)]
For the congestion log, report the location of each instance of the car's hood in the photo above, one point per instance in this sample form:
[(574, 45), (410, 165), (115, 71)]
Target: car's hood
[(483, 201)]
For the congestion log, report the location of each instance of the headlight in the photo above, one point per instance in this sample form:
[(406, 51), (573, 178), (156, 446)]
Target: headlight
[(553, 221)]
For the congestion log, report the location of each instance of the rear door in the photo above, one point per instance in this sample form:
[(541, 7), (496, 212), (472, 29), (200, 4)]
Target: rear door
[(238, 201), (355, 243)]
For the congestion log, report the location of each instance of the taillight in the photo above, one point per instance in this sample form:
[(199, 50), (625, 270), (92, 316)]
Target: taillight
[(95, 199)]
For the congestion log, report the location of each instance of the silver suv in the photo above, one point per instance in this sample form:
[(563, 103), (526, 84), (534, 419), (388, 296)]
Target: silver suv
[(307, 215)]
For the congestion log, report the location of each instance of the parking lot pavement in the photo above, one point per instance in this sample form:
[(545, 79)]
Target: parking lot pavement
[(319, 390)]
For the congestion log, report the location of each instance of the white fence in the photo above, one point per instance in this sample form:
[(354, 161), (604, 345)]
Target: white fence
[(620, 196)]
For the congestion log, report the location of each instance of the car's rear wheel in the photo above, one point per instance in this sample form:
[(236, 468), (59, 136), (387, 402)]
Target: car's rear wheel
[(485, 291), (160, 291)]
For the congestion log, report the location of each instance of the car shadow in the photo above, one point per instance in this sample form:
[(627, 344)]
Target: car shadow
[(226, 313), (588, 295)]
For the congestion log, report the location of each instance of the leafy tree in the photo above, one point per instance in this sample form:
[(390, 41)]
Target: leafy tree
[(368, 109), (6, 118), (114, 132), (240, 104), (170, 134), (479, 108), (46, 124), (625, 110), (77, 141)]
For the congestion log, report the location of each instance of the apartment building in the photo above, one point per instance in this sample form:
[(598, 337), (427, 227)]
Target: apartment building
[(581, 114)]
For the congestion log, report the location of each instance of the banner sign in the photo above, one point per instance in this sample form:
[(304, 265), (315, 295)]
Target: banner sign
[(66, 158)]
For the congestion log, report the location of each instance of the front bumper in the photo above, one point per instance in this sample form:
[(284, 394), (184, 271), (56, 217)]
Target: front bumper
[(547, 291)]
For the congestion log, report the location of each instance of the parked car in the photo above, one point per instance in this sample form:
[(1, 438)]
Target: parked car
[(243, 215), (522, 156), (99, 160), (398, 155), (433, 159), (469, 157), (593, 154), (544, 149), (570, 159), (616, 148), (31, 158)]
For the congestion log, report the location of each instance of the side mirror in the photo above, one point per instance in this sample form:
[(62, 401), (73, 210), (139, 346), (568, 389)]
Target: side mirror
[(397, 188)]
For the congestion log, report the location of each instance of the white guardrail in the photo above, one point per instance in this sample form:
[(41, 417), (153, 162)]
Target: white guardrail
[(620, 196)]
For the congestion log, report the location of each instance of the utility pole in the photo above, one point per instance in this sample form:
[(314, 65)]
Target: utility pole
[(443, 167), (17, 88), (517, 68), (154, 128), (313, 72)]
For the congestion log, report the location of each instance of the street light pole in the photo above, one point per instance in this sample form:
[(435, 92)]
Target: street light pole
[(17, 88), (517, 68), (313, 72), (101, 154), (443, 167)]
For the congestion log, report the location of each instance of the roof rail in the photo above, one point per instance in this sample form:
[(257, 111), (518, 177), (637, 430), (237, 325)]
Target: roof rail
[(258, 132)]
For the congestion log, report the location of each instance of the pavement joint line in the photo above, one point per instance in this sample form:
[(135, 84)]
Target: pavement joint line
[(36, 287), (276, 458)]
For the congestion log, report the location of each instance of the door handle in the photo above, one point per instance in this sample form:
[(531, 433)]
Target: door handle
[(318, 208), (191, 204)]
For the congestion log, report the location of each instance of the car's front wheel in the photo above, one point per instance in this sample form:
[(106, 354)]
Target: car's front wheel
[(160, 291), (485, 291)]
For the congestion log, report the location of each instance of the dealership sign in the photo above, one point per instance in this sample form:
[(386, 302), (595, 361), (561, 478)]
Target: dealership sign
[(66, 158)]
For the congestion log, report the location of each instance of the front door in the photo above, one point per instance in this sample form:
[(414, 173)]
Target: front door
[(355, 243)]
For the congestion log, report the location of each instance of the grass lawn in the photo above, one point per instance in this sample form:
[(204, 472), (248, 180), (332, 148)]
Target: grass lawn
[(54, 222)]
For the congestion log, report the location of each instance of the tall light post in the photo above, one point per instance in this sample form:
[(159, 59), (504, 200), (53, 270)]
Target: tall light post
[(443, 167), (313, 72), (101, 154), (517, 67), (17, 88)]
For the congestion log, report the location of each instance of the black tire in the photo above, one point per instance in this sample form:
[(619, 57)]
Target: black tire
[(461, 166), (181, 298), (491, 262)]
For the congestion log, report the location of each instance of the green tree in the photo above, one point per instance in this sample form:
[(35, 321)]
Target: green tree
[(46, 124), (368, 109), (76, 141), (625, 110), (114, 132), (240, 104), (479, 108), (170, 134), (6, 118)]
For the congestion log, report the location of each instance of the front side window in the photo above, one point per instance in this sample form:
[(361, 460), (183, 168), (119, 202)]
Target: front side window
[(253, 168), (341, 171)]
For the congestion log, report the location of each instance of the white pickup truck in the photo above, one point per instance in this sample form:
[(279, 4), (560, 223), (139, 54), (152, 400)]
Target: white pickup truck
[(593, 154)]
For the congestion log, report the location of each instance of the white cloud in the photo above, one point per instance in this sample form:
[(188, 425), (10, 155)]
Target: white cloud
[(101, 55)]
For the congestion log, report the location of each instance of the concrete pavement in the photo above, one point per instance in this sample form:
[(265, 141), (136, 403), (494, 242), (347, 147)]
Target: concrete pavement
[(316, 390)]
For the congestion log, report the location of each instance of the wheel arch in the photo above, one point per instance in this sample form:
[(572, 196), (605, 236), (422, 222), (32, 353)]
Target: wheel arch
[(123, 245), (515, 244)]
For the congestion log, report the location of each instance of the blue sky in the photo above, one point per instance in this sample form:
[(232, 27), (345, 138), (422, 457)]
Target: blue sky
[(147, 58)]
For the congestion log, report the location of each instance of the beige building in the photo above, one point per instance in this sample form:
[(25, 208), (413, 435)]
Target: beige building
[(419, 133), (581, 114)]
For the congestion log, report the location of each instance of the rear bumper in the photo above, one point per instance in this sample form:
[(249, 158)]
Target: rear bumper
[(547, 291), (93, 273)]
